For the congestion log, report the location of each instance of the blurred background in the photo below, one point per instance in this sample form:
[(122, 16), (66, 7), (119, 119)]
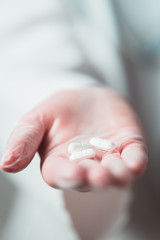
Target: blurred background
[(49, 45)]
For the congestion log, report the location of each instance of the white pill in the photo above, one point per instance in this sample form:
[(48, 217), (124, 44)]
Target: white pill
[(87, 153), (102, 144), (79, 146)]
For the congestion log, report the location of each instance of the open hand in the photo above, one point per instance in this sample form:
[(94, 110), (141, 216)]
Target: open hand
[(78, 115)]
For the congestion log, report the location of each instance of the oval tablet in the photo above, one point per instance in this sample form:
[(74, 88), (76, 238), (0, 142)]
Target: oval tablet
[(78, 146), (87, 153), (102, 144)]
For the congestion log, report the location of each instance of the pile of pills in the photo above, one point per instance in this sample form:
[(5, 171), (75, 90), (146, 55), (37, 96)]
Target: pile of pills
[(82, 150)]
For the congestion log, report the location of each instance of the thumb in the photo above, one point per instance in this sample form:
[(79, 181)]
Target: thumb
[(23, 143)]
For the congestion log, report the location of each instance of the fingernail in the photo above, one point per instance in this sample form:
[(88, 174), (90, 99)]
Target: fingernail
[(2, 160), (68, 183)]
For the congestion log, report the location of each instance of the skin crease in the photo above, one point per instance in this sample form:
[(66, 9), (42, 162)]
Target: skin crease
[(74, 116)]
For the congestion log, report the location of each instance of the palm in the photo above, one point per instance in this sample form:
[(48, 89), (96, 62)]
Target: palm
[(97, 112)]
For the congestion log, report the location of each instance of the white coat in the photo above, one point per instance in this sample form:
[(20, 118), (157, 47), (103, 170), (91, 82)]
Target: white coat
[(47, 46)]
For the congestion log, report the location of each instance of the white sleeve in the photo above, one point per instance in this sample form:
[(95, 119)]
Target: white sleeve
[(39, 50)]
